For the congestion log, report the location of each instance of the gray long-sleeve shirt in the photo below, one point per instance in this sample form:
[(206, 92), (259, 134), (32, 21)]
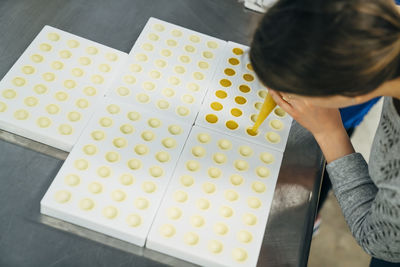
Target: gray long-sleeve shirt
[(369, 195)]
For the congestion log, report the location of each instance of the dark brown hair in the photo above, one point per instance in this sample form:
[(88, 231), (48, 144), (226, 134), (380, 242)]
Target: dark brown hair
[(327, 47)]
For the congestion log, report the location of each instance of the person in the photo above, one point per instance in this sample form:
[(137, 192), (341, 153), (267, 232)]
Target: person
[(320, 55)]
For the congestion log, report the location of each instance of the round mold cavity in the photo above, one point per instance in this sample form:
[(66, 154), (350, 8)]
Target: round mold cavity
[(219, 158), (220, 228), (134, 220), (175, 129), (240, 100), (214, 172), (90, 91), (106, 122), (221, 94), (254, 202), (180, 196), (280, 112), (190, 48), (28, 70), (45, 47), (98, 135), (198, 151), (208, 188), (49, 76), (233, 61), (192, 165), (9, 94), (236, 179), (237, 51), (156, 171), (72, 179), (248, 77), (203, 65), (171, 42), (65, 129), (276, 125), (149, 187), (229, 72), (198, 76), (77, 72), (74, 116), (244, 88), (226, 211), (113, 109), (141, 149), (57, 65), (120, 142), (162, 104), (191, 238), (176, 33), (111, 57), (216, 106), (249, 219), (61, 96), (208, 54), (224, 144), (197, 221), (187, 180), (203, 204), (163, 156), (174, 213), (148, 136), (126, 179), (167, 230), (245, 151), (182, 111), (241, 165), (91, 50), (211, 118), (272, 137), (262, 172), (160, 63), (225, 82), (110, 212), (212, 45), (231, 125), (118, 195), (134, 164), (168, 92), (65, 54), (85, 61), (19, 81), (239, 254), (236, 112), (104, 171), (104, 68), (62, 196), (82, 103), (142, 203), (43, 122), (258, 187), (90, 149), (203, 138), (133, 116), (231, 195), (169, 142)]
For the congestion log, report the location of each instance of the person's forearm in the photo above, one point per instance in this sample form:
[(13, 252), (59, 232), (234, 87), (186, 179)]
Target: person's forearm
[(334, 144)]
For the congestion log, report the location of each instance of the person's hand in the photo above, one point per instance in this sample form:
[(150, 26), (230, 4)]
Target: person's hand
[(317, 120), (324, 123)]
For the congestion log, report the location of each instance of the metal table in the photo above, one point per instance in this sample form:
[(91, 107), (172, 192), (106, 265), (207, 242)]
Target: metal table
[(27, 168)]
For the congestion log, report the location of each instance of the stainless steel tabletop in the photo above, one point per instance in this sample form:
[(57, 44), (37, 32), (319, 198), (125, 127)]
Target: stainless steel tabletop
[(27, 168)]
